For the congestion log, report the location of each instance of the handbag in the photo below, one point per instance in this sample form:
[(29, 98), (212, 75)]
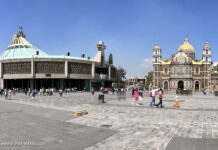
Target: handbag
[(150, 94)]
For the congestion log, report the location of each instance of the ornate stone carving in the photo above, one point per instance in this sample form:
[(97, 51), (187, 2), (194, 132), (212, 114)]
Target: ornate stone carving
[(17, 68), (49, 67), (79, 68)]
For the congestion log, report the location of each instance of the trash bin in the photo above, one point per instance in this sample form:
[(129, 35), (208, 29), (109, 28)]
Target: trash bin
[(141, 94), (101, 98), (216, 93)]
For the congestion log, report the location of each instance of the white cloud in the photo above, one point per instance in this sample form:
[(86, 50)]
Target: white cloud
[(147, 65)]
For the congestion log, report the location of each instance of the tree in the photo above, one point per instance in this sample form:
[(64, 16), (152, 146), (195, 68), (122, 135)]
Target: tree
[(121, 73), (149, 79), (110, 59)]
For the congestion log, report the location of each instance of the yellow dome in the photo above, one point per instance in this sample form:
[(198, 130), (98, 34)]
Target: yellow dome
[(206, 46), (157, 46), (186, 46)]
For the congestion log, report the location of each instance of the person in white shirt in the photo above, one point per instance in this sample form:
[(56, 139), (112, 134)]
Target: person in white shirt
[(153, 91)]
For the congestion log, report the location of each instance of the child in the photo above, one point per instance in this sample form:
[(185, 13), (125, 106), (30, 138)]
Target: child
[(177, 102)]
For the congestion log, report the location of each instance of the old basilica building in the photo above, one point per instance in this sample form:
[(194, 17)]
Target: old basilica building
[(182, 70)]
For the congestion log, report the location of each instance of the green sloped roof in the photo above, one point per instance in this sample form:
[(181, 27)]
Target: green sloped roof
[(20, 48), (21, 52)]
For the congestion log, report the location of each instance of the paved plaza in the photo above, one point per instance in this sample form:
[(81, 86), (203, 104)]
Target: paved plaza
[(117, 124)]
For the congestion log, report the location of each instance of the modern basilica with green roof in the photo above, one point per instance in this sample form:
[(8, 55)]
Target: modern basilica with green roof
[(24, 66)]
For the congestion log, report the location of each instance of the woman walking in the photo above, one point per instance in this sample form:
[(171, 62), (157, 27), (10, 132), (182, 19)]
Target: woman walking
[(160, 96), (136, 93)]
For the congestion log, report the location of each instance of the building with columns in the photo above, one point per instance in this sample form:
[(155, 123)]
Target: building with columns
[(182, 70), (22, 65)]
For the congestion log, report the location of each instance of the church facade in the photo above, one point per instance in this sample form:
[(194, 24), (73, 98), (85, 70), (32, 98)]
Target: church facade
[(182, 70)]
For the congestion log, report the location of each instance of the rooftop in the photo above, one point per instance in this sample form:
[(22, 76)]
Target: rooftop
[(20, 48)]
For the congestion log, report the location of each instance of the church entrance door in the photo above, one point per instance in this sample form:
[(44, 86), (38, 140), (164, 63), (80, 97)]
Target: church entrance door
[(197, 86), (165, 85), (181, 85)]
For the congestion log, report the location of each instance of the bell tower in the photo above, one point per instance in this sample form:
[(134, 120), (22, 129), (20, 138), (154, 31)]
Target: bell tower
[(100, 54), (206, 54), (156, 54), (206, 58), (156, 65)]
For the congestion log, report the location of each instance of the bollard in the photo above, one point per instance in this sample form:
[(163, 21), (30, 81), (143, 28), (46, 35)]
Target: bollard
[(216, 93)]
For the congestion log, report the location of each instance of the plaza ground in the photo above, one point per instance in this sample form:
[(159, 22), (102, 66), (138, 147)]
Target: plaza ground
[(117, 124)]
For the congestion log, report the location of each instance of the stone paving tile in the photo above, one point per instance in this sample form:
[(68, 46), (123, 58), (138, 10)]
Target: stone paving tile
[(140, 127)]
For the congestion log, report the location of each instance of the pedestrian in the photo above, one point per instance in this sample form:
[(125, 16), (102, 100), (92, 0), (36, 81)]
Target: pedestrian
[(93, 91), (177, 101), (113, 90), (33, 93), (9, 94), (25, 91), (60, 92), (160, 96), (136, 93), (153, 91), (6, 94), (133, 91), (205, 92)]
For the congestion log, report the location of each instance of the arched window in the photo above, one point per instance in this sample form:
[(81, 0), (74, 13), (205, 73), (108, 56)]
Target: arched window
[(166, 70)]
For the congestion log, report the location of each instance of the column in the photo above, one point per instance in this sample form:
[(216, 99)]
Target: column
[(93, 70), (32, 68), (1, 76), (31, 83), (61, 83), (1, 83), (1, 70), (109, 72), (66, 69)]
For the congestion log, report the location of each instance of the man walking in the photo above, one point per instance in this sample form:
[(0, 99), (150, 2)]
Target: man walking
[(153, 96)]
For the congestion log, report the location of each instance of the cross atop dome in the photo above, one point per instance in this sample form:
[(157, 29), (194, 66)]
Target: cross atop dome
[(21, 28), (206, 46), (157, 46), (21, 32), (186, 41)]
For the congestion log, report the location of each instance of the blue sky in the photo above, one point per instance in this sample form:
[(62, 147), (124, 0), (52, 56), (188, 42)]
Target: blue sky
[(129, 28)]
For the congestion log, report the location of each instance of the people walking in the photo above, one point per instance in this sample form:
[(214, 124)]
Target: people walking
[(177, 102), (93, 91), (136, 93), (60, 92), (9, 94), (153, 91), (133, 91), (6, 94), (160, 96)]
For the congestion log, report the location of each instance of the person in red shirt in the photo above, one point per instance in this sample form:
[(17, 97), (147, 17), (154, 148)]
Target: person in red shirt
[(160, 95)]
